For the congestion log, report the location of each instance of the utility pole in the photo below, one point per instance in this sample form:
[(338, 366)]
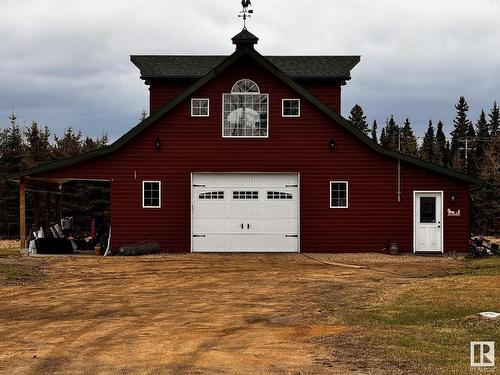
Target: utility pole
[(399, 165), (466, 149)]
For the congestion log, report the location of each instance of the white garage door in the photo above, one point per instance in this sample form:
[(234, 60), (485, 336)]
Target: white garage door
[(245, 212)]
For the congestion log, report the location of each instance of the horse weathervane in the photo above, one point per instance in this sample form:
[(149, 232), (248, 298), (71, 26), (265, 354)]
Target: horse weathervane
[(245, 13)]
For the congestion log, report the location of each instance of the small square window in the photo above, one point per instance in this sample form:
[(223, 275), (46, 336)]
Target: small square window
[(339, 194), (200, 107), (151, 194), (291, 107)]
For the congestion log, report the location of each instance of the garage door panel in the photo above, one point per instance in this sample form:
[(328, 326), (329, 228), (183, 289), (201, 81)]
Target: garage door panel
[(245, 226), (244, 179), (244, 243), (245, 212)]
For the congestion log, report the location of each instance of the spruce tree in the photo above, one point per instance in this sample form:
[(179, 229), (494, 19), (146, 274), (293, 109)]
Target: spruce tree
[(427, 148), (447, 154), (390, 137), (38, 149), (358, 119), (486, 203), (383, 137), (69, 145), (11, 160), (483, 134), (440, 151), (408, 139), (374, 131), (144, 115), (12, 155), (90, 144), (494, 122), (459, 133)]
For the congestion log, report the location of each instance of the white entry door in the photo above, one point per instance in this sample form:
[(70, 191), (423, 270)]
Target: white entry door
[(428, 222), (245, 212)]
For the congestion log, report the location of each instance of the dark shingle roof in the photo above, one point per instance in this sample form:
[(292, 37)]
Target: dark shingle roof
[(296, 67)]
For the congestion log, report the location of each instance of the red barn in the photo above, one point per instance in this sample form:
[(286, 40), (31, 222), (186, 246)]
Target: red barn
[(249, 153)]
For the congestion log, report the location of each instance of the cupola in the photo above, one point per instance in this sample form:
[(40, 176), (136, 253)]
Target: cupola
[(244, 39)]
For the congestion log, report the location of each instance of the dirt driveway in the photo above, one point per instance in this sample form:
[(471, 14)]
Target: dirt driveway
[(199, 313)]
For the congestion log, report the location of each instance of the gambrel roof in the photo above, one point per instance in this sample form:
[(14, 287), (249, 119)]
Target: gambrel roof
[(213, 73)]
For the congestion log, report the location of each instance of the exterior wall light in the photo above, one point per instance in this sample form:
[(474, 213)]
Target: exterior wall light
[(332, 145), (453, 197), (157, 144)]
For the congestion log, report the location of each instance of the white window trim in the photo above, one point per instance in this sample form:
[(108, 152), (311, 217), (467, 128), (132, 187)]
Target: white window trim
[(283, 107), (246, 136), (346, 193), (159, 194), (208, 107)]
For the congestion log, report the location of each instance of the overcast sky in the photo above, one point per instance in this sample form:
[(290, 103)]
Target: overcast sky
[(66, 62)]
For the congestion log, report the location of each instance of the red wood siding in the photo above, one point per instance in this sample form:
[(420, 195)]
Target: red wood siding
[(161, 92), (326, 92), (374, 216)]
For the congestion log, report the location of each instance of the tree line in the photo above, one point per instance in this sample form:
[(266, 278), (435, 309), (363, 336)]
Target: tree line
[(473, 148), (23, 148)]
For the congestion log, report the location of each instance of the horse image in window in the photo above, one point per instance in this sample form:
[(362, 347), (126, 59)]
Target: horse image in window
[(244, 121)]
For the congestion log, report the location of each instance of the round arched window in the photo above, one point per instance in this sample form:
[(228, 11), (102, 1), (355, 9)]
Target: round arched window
[(245, 86)]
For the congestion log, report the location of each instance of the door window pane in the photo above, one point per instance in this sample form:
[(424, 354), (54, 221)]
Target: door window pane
[(427, 210)]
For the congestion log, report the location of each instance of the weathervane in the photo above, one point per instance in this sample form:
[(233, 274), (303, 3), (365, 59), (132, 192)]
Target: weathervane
[(245, 13)]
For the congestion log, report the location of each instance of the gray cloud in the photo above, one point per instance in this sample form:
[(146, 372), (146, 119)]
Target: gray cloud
[(65, 62)]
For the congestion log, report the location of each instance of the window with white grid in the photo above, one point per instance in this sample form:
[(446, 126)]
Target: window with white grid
[(290, 108), (200, 107), (245, 111), (151, 194), (339, 194)]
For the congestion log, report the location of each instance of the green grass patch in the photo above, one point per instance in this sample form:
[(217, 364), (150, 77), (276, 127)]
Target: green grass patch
[(432, 322), (16, 272), (483, 266)]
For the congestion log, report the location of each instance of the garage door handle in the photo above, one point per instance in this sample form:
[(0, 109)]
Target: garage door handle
[(248, 226), (242, 227)]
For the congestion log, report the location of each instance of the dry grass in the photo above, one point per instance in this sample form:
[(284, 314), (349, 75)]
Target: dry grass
[(13, 268), (9, 247), (428, 325)]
